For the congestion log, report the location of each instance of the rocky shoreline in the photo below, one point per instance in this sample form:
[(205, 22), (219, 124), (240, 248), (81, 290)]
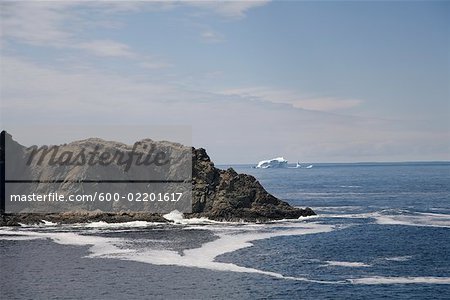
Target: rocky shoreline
[(221, 195), (225, 195)]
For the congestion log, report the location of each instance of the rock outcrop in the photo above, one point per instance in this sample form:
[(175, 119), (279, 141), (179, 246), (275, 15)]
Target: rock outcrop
[(227, 195), (222, 195)]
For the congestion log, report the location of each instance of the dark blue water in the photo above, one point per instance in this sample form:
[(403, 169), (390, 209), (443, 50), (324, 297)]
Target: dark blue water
[(419, 186), (383, 231)]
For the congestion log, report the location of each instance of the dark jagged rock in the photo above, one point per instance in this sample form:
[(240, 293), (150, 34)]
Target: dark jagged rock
[(222, 195), (227, 195)]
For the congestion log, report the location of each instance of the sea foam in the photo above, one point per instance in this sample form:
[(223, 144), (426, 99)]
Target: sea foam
[(401, 280), (230, 238), (414, 219), (351, 264)]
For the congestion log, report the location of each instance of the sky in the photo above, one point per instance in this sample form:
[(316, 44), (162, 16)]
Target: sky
[(327, 81)]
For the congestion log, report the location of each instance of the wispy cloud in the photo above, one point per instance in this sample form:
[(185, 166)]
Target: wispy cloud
[(155, 64), (230, 9), (35, 93), (211, 36), (41, 90), (294, 98), (58, 24), (298, 125), (107, 48), (36, 23)]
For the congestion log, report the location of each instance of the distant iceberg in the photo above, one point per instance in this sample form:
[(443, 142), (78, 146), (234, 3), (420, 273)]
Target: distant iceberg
[(278, 162)]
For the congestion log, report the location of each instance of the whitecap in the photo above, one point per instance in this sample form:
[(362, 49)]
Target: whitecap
[(43, 223), (48, 223), (131, 224), (178, 218)]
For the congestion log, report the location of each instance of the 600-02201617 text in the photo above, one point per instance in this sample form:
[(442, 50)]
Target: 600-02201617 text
[(102, 197)]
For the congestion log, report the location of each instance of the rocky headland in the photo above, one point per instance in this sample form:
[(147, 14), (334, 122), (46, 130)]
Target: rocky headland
[(221, 195)]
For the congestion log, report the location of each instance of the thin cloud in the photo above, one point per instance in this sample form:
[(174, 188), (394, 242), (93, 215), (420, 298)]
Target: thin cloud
[(294, 98), (154, 64), (326, 103), (211, 36), (59, 25), (36, 23), (229, 9), (107, 48), (259, 121), (34, 93)]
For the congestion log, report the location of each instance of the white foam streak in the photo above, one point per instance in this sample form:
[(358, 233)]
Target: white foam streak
[(18, 238), (231, 237), (398, 258), (204, 257), (132, 224), (350, 216), (346, 264), (99, 245), (400, 217), (178, 218), (401, 280), (337, 208), (44, 223), (418, 219), (48, 223)]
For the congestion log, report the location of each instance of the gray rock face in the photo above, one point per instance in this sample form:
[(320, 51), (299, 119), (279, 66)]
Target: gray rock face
[(222, 195)]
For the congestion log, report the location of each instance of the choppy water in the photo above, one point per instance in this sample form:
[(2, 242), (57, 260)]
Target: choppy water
[(382, 232)]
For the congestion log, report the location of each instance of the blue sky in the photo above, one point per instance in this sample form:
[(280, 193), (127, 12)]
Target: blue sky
[(312, 81)]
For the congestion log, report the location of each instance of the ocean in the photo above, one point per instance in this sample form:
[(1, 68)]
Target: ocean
[(382, 232)]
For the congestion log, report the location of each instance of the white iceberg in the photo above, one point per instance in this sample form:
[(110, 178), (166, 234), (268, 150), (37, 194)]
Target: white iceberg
[(278, 162)]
